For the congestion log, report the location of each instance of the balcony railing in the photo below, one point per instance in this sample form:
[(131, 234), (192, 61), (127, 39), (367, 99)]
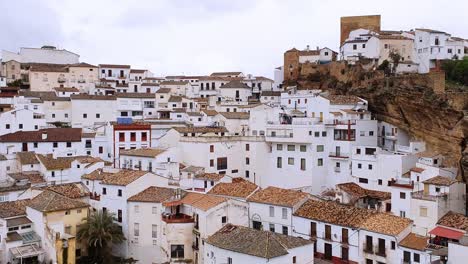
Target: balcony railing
[(338, 155), (337, 169), (61, 80), (177, 218), (379, 252), (368, 248)]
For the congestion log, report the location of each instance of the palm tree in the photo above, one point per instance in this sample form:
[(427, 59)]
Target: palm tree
[(99, 233)]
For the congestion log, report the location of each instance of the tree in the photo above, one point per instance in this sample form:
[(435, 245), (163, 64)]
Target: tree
[(385, 67), (99, 233), (15, 83), (456, 70), (396, 57)]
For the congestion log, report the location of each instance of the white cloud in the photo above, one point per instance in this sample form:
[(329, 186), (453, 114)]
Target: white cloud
[(197, 37)]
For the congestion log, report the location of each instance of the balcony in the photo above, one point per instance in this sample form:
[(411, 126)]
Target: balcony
[(380, 251), (177, 218), (95, 197), (339, 155), (368, 248), (335, 122), (81, 80), (61, 79), (337, 169), (420, 195)]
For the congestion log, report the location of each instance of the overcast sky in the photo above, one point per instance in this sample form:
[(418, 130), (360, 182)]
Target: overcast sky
[(201, 36)]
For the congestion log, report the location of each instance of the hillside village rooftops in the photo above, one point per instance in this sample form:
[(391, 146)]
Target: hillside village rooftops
[(123, 177), (263, 244), (454, 220), (201, 130), (60, 163), (343, 99), (31, 176), (137, 71), (210, 112), (234, 73), (235, 115), (209, 176), (201, 201), (427, 154), (440, 180), (278, 196), (163, 90), (67, 89), (220, 78), (194, 114), (114, 66), (385, 223), (149, 84), (27, 158), (49, 201), (414, 241), (135, 95), (48, 67), (82, 65), (153, 195), (70, 190), (416, 169), (357, 191), (93, 97), (175, 99), (142, 152), (234, 84), (12, 209), (237, 188), (395, 37), (174, 83), (44, 135)]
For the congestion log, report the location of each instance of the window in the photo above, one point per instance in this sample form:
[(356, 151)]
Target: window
[(303, 164), (380, 181), (154, 210), (285, 230), (154, 231), (291, 147), (294, 259), (272, 227), (344, 235), (85, 115), (247, 161), (359, 165), (247, 147), (272, 211), (101, 150), (316, 134), (132, 136), (98, 115), (224, 219), (393, 245), (53, 174), (7, 126), (279, 162), (221, 163), (371, 133), (144, 136), (416, 257), (402, 195), (55, 144), (290, 161), (279, 147), (247, 174), (363, 180), (313, 229), (358, 151), (327, 231), (67, 212), (177, 251), (320, 148), (229, 260), (344, 253), (319, 162), (423, 211), (303, 148), (381, 247), (104, 190), (136, 229), (284, 213), (406, 257), (402, 214), (211, 148), (354, 47), (369, 166), (324, 133), (121, 136), (69, 144), (119, 216), (211, 163)]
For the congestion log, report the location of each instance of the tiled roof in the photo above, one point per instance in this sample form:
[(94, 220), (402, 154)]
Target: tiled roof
[(174, 82), (431, 31), (143, 152), (150, 84), (194, 114), (235, 115), (235, 84), (393, 37), (263, 244), (46, 67), (114, 66), (454, 220), (192, 169), (427, 154), (235, 73), (220, 78), (202, 201), (271, 93), (416, 169), (134, 95), (440, 180), (163, 90), (14, 187), (123, 177), (53, 135), (385, 223), (278, 196), (200, 129), (67, 89), (237, 188), (210, 176), (82, 64), (262, 78), (92, 97), (210, 112), (27, 158), (137, 71), (414, 241), (32, 176), (153, 195), (174, 99), (15, 208), (343, 99), (58, 163), (357, 191), (49, 201), (70, 190)]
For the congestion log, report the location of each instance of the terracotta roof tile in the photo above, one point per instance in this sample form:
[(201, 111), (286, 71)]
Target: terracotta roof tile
[(278, 196), (440, 180), (15, 208), (174, 83), (49, 201), (234, 84), (153, 195), (163, 90), (202, 201), (414, 241), (235, 115), (113, 66), (67, 89), (53, 135), (210, 176), (92, 97), (454, 220), (237, 188), (123, 177), (32, 176), (343, 99), (70, 190), (210, 112), (416, 169), (27, 158), (359, 192), (143, 152), (263, 244), (235, 73)]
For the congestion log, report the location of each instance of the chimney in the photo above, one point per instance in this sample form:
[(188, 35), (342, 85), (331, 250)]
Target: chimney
[(44, 135), (307, 48), (317, 47)]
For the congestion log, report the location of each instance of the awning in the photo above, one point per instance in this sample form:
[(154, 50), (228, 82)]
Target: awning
[(26, 251), (446, 232)]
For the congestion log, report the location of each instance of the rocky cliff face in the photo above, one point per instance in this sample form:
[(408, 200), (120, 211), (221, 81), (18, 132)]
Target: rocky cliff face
[(408, 102)]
